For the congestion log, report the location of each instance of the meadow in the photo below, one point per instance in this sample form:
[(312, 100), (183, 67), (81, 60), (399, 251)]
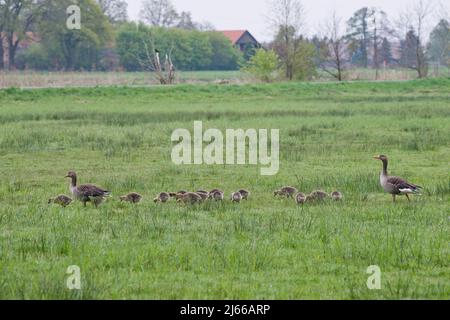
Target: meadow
[(264, 248)]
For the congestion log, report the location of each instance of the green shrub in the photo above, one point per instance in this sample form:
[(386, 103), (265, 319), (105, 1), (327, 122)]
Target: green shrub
[(263, 65)]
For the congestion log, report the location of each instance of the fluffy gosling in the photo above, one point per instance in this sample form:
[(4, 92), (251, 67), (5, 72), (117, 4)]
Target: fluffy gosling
[(244, 193), (203, 195), (287, 192), (337, 196), (132, 197), (317, 195), (236, 197), (62, 200), (300, 198), (189, 198), (163, 197), (216, 195)]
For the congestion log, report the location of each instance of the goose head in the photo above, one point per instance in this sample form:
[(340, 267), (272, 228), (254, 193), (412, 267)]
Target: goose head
[(71, 174), (381, 158)]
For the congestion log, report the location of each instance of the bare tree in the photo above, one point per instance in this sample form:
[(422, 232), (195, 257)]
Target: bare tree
[(163, 72), (415, 18), (332, 60), (115, 10), (159, 13), (286, 19)]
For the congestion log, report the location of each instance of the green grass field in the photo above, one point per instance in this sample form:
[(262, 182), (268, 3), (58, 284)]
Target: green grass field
[(119, 138)]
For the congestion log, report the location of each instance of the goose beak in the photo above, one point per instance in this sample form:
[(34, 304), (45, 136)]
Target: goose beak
[(377, 158)]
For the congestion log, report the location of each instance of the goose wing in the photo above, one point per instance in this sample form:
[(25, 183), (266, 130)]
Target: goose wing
[(89, 190), (402, 184)]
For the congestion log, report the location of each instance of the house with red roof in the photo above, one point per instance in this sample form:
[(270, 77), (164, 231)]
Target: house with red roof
[(241, 39)]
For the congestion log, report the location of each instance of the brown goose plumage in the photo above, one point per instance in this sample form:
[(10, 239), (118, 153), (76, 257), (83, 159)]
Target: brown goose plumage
[(87, 192), (396, 186)]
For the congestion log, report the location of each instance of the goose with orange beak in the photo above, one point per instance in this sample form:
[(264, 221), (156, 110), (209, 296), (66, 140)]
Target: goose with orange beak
[(396, 186)]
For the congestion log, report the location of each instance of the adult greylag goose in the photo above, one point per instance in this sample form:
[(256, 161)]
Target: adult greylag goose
[(87, 192), (394, 185), (62, 200), (132, 197), (288, 192)]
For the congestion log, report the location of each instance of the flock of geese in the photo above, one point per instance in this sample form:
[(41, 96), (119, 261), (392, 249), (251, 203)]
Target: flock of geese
[(90, 193)]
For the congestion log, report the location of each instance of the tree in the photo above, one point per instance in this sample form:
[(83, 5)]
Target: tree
[(408, 50), (286, 18), (115, 10), (190, 49), (18, 17), (263, 65), (439, 45), (358, 31), (379, 30), (332, 50), (386, 52), (2, 27), (185, 21), (159, 13), (415, 19), (74, 49), (224, 55)]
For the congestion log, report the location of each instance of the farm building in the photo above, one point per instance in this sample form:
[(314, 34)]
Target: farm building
[(241, 39)]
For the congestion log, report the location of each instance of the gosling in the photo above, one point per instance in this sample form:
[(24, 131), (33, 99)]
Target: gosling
[(244, 193), (62, 200), (337, 196), (203, 195), (236, 197), (300, 198), (163, 197), (216, 195), (189, 198), (287, 192), (131, 197), (317, 196), (174, 194)]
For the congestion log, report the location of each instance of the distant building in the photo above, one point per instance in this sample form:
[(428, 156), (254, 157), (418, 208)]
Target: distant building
[(241, 39)]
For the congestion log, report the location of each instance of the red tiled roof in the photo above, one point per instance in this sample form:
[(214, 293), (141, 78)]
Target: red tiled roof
[(233, 35)]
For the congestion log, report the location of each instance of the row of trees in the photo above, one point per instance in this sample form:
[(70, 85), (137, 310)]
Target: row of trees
[(369, 39), (107, 41)]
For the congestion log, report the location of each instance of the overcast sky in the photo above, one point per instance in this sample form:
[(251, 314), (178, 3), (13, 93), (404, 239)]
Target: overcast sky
[(250, 14)]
